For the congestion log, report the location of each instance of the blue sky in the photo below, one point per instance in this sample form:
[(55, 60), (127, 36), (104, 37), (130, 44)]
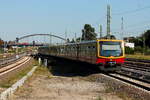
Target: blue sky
[(23, 17)]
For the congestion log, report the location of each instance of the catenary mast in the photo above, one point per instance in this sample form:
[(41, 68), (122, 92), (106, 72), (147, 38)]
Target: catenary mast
[(108, 20)]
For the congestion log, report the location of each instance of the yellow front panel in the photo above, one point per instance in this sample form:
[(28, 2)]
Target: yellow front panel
[(98, 48)]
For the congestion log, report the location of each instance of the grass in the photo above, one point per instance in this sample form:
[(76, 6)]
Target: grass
[(109, 89), (124, 96), (99, 98), (139, 56), (14, 78), (42, 70)]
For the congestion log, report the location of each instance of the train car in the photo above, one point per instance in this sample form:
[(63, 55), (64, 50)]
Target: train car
[(108, 55)]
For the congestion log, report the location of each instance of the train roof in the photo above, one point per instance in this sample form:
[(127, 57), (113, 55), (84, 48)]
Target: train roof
[(93, 41), (84, 42)]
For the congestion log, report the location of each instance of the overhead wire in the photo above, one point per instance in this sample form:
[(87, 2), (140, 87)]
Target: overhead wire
[(132, 11)]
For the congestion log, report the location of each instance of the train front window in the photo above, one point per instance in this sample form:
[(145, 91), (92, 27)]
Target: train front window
[(109, 48)]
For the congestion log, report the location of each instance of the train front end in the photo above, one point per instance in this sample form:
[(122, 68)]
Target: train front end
[(110, 54)]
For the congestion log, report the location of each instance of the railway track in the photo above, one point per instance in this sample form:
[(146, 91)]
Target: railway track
[(144, 86), (14, 66), (136, 69), (138, 66), (10, 60), (134, 72)]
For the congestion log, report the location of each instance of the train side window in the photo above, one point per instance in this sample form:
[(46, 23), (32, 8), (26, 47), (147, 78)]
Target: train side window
[(94, 48)]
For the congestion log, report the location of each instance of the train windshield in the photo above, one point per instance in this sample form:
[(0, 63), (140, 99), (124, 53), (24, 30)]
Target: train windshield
[(110, 48)]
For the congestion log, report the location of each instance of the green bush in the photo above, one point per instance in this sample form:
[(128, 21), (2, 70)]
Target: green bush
[(129, 50), (147, 51), (1, 50), (138, 49)]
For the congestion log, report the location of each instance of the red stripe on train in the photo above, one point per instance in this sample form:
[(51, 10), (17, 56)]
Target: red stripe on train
[(104, 60)]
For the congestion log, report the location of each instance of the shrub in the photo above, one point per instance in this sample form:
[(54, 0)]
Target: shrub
[(147, 52), (138, 49), (129, 50)]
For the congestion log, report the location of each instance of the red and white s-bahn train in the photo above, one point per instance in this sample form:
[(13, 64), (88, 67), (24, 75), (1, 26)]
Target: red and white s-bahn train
[(107, 54)]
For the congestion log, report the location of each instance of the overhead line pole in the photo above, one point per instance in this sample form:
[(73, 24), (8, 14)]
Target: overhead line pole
[(122, 27), (66, 34), (75, 37), (100, 31), (50, 39), (108, 20)]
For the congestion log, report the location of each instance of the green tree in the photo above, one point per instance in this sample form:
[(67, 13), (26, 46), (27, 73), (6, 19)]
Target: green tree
[(78, 39), (72, 41), (68, 40), (1, 42), (109, 37), (142, 40), (146, 38), (88, 33)]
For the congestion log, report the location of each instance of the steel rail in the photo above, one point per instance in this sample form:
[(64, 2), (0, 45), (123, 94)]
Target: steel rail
[(137, 69), (139, 84), (10, 60), (14, 66)]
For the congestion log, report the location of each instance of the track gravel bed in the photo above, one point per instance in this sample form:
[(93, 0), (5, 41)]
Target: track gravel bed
[(123, 89), (44, 87)]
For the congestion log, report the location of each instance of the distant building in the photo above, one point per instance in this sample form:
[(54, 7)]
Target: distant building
[(130, 45)]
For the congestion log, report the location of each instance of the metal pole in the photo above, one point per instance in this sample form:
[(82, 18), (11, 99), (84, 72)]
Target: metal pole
[(66, 34), (108, 20), (50, 39), (100, 31), (122, 27), (75, 37)]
